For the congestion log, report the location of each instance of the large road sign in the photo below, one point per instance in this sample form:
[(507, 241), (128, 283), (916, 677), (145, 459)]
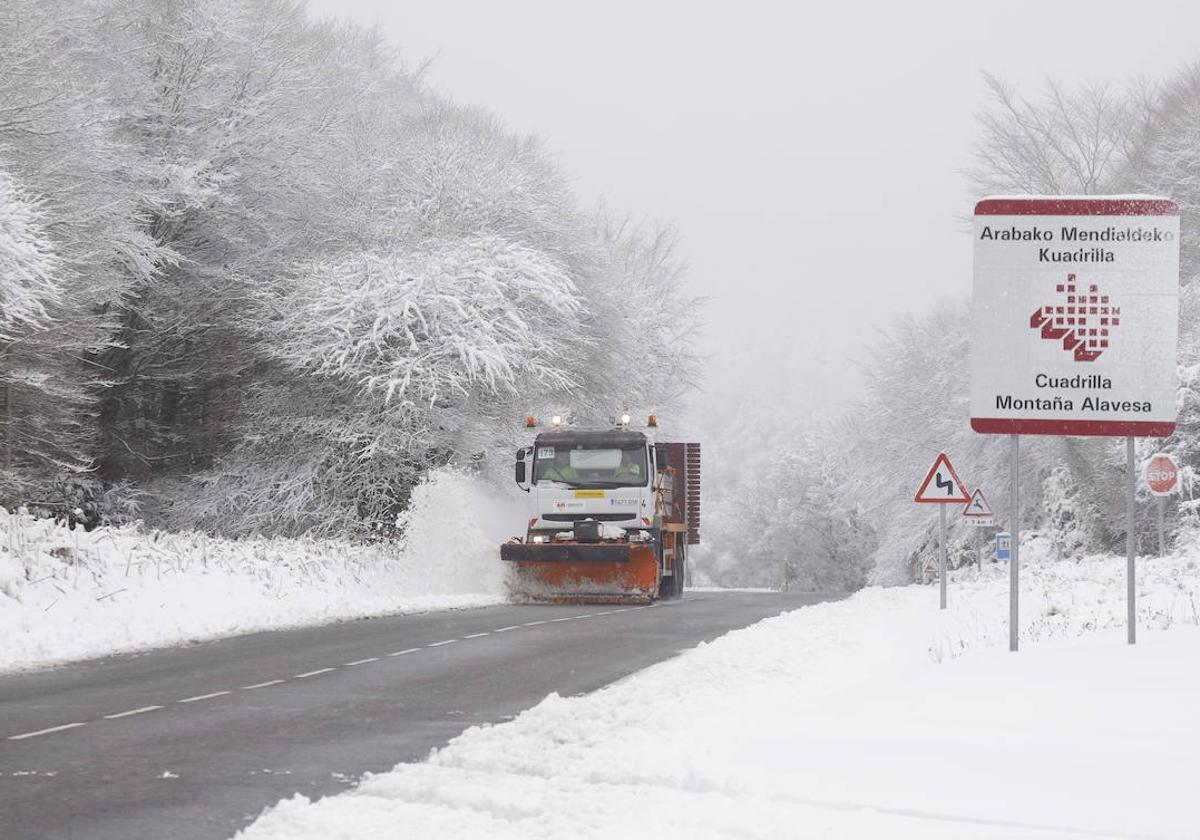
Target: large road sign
[(942, 484), (1162, 475), (1076, 308)]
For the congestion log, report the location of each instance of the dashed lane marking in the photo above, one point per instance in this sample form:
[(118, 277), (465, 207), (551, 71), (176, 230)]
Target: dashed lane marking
[(44, 731), (200, 697), (308, 674), (132, 712), (53, 729), (319, 671), (261, 685)]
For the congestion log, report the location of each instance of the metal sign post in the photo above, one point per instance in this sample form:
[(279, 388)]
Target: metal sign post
[(1130, 545), (1161, 504), (1014, 529), (942, 559)]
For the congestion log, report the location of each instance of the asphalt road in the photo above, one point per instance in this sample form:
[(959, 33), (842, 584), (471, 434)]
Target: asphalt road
[(194, 742)]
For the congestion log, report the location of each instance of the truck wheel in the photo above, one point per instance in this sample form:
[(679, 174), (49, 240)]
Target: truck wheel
[(666, 585), (680, 577)]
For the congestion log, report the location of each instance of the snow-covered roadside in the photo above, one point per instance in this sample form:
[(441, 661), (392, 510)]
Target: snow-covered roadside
[(67, 595), (852, 719)]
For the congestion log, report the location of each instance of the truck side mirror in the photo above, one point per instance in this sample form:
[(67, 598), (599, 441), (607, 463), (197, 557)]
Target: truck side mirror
[(521, 468)]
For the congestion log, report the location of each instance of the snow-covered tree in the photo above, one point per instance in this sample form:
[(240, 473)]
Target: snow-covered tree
[(429, 326), (1066, 142), (28, 268), (248, 262)]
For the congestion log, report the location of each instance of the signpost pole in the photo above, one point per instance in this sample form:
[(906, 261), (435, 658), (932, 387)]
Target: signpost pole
[(1130, 546), (942, 558), (1162, 531), (1014, 529)]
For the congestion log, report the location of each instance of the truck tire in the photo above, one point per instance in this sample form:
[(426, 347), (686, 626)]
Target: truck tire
[(672, 587), (680, 577)]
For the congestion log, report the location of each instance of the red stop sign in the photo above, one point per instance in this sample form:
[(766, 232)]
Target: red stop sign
[(1162, 475)]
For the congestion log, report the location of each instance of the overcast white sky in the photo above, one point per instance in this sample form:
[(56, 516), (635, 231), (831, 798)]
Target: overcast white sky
[(810, 158)]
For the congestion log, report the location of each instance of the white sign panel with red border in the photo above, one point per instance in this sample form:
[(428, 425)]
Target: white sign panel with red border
[(1076, 308), (979, 511), (942, 484), (1162, 475)]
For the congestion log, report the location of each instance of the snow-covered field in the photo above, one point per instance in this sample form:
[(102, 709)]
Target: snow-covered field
[(878, 716), (68, 595)]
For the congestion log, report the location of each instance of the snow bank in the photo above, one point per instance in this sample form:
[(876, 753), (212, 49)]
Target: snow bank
[(1067, 598), (68, 595), (853, 719)]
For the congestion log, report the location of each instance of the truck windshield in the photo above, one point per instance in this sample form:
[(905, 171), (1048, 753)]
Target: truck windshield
[(591, 467)]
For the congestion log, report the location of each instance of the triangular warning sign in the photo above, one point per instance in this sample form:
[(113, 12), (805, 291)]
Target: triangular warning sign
[(978, 506), (942, 484)]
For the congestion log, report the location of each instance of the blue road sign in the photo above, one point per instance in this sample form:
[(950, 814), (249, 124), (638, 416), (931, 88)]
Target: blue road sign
[(1003, 547)]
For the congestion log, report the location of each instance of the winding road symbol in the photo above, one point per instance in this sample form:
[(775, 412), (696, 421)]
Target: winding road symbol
[(942, 484)]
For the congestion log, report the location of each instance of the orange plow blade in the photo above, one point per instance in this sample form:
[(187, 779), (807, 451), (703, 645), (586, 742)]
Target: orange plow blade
[(581, 573)]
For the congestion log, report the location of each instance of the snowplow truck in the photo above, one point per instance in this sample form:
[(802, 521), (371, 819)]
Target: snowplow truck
[(612, 513)]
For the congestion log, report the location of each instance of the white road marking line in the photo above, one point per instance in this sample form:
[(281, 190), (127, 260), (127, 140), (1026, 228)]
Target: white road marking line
[(506, 629), (132, 712), (202, 697), (606, 612), (261, 685), (402, 652), (477, 635), (362, 661), (589, 615), (308, 674), (533, 623), (446, 642), (556, 620), (45, 731)]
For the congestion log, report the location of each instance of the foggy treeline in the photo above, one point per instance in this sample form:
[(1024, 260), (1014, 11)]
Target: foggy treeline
[(836, 510), (255, 277)]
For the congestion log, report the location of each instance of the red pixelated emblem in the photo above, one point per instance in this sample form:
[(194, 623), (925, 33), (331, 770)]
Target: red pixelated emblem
[(1071, 324)]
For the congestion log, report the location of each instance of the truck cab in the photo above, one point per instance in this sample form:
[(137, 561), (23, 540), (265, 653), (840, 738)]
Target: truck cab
[(600, 478)]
